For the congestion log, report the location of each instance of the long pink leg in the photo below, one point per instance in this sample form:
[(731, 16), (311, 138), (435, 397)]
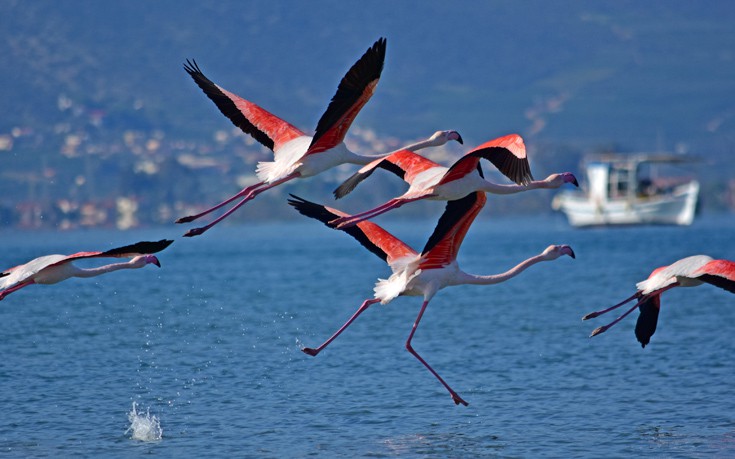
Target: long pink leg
[(243, 192), (10, 290), (604, 328), (594, 314), (457, 399), (365, 304), (352, 220), (252, 194)]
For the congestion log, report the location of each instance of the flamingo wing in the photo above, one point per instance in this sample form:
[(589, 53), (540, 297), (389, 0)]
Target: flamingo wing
[(353, 92), (443, 245), (720, 273), (263, 126), (128, 251), (374, 238), (645, 327), (507, 153), (21, 273), (404, 163)]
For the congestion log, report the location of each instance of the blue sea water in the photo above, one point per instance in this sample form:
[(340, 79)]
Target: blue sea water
[(209, 347)]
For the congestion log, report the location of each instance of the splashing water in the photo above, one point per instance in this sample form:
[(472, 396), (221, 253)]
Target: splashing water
[(144, 426)]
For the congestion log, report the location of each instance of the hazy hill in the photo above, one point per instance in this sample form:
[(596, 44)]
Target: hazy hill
[(568, 75)]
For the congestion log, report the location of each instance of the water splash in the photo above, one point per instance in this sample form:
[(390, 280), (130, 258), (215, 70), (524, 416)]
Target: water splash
[(144, 427)]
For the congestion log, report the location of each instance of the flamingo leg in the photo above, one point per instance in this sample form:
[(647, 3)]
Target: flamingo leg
[(365, 304), (12, 289), (455, 397), (243, 192), (352, 220), (254, 191), (643, 298), (594, 314)]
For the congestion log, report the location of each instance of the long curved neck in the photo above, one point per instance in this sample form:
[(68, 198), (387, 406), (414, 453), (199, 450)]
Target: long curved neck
[(92, 272), (494, 188), (430, 142), (466, 278)]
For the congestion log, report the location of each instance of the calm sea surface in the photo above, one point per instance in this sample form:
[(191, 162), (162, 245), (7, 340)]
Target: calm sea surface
[(209, 344)]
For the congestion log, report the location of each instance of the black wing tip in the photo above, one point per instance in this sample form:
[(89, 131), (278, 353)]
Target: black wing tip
[(645, 327), (143, 247), (347, 186), (192, 67), (311, 209)]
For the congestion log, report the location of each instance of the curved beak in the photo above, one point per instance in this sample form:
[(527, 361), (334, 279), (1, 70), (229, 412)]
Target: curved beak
[(566, 250), (574, 181), (454, 135), (154, 260)]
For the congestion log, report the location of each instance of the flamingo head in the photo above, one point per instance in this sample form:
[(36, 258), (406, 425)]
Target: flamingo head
[(143, 260), (553, 252), (442, 137), (152, 259), (570, 178)]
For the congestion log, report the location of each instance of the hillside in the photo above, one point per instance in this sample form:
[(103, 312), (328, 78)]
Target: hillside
[(569, 76)]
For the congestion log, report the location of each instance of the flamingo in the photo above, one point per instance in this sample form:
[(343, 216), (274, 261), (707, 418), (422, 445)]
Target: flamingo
[(687, 272), (429, 180), (51, 269), (297, 155), (425, 273)]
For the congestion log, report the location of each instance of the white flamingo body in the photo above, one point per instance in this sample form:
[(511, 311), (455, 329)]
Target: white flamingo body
[(421, 274), (52, 269), (688, 272)]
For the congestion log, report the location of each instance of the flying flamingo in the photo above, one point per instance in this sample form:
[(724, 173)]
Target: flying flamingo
[(297, 155), (51, 269), (687, 272), (429, 180), (425, 273)]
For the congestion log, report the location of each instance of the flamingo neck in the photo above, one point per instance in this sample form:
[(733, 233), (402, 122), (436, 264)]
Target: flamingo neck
[(474, 279), (430, 142), (494, 188), (135, 263)]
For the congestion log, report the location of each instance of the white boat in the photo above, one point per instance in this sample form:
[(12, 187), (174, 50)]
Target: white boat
[(629, 190)]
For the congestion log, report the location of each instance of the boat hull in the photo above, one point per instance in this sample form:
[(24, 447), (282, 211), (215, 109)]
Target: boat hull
[(674, 208)]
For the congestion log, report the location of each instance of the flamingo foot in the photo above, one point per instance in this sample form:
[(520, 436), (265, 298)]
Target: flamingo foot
[(591, 315), (457, 399), (188, 219), (310, 350), (599, 330), (195, 232)]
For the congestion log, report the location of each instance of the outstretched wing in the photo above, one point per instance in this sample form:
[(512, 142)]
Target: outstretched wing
[(371, 236), (720, 273), (21, 273), (265, 127), (507, 153), (128, 251), (404, 163), (353, 92), (443, 245)]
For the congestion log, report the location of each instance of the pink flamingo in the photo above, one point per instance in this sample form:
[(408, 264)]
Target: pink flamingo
[(51, 269), (425, 273), (429, 180), (687, 272), (297, 155)]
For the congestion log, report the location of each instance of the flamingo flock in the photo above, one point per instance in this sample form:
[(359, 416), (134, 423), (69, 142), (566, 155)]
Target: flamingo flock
[(462, 185)]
